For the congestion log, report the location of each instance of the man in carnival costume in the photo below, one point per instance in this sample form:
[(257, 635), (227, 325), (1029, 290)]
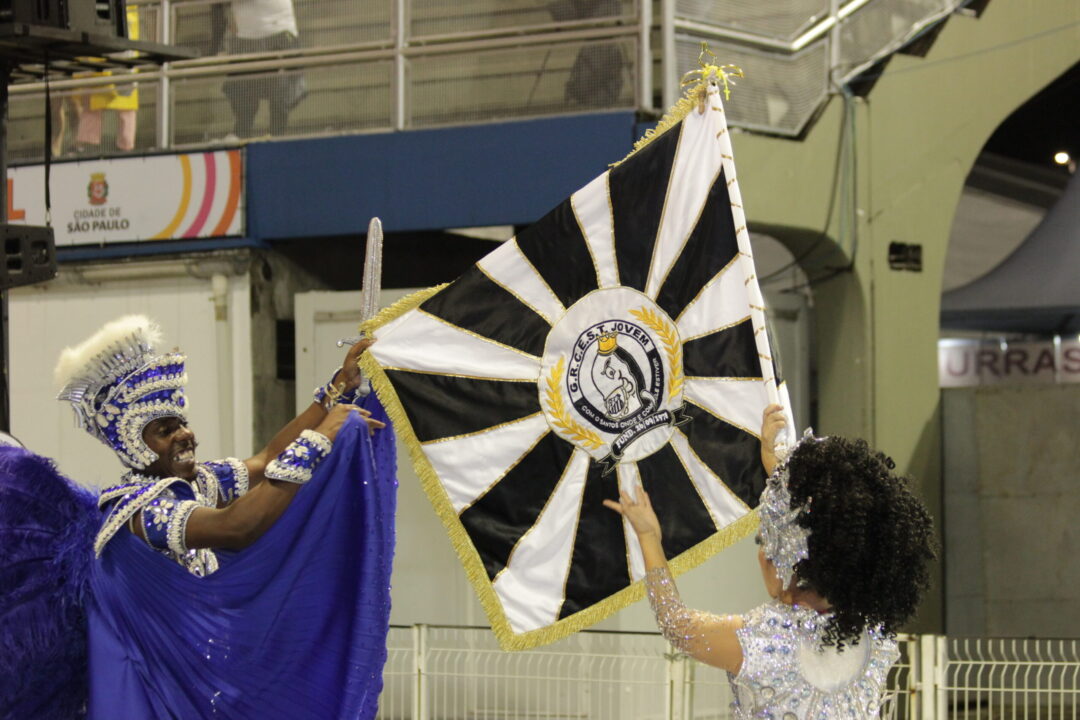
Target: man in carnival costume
[(845, 549), (231, 588)]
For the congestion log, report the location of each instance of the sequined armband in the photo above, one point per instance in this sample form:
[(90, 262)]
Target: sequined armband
[(232, 477), (164, 521), (298, 461), (680, 625), (329, 395)]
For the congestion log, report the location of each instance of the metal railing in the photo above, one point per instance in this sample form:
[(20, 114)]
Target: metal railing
[(443, 673), (380, 65), (449, 673)]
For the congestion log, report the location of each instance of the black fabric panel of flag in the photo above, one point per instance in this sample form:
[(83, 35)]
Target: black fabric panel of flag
[(711, 246), (684, 519), (557, 249), (444, 406), (730, 352), (474, 303), (730, 452), (637, 204), (499, 518), (598, 566)]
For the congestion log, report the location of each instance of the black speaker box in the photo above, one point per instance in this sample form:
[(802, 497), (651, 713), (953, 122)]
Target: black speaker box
[(29, 255), (99, 17)]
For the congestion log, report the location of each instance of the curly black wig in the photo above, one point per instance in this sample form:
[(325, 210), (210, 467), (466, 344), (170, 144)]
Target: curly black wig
[(871, 539)]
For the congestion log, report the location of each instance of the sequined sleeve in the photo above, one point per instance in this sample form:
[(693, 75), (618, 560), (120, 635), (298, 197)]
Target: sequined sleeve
[(165, 524), (232, 476), (689, 631)]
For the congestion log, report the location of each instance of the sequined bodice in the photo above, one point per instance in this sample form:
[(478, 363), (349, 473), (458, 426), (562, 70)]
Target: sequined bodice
[(787, 674), (217, 482)]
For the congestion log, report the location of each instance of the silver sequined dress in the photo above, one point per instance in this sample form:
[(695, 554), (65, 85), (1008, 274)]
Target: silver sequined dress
[(786, 673)]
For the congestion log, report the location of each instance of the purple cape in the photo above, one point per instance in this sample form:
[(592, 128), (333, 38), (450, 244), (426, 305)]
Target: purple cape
[(292, 627)]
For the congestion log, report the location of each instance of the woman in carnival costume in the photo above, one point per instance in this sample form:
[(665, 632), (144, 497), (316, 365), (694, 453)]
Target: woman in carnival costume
[(194, 590), (845, 549)]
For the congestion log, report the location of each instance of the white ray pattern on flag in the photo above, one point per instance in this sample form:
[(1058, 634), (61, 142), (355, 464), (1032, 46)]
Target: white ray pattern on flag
[(459, 352), (592, 206), (696, 167), (721, 303), (724, 505), (736, 402), (470, 465), (509, 268), (529, 597)]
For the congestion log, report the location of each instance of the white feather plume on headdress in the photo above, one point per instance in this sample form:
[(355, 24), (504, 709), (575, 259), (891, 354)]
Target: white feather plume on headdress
[(76, 362)]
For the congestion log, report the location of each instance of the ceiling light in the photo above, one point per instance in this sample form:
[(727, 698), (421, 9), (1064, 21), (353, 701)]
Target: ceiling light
[(1061, 157)]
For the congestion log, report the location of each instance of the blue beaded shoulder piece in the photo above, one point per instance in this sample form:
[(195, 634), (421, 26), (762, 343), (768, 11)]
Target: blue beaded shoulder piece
[(161, 498), (788, 674)]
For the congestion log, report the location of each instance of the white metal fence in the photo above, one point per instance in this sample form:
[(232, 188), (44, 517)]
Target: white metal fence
[(395, 64), (459, 673)]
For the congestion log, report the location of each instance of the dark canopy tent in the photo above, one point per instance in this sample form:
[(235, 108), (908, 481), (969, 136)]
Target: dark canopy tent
[(1034, 290)]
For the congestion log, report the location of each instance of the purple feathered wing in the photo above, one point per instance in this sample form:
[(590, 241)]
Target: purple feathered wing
[(47, 526)]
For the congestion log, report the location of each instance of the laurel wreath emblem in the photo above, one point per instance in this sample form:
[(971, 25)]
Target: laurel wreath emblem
[(672, 346), (561, 418)]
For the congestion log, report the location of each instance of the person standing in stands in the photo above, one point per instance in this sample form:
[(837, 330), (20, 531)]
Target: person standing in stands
[(259, 26)]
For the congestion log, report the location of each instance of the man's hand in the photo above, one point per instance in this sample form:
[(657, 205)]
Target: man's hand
[(337, 416), (350, 369), (772, 422)]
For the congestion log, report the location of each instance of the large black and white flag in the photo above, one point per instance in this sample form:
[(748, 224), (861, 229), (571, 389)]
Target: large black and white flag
[(620, 339)]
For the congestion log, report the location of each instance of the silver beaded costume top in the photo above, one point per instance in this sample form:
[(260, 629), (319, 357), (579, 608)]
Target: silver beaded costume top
[(166, 504), (786, 673)]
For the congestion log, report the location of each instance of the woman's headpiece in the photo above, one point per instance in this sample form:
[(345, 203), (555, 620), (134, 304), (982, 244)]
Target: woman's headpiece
[(117, 384), (783, 539)]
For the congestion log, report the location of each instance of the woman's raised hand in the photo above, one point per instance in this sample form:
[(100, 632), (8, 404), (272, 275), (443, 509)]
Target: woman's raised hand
[(639, 512), (773, 421)]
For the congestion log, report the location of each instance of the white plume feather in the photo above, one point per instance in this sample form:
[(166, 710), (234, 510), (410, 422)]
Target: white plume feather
[(75, 361)]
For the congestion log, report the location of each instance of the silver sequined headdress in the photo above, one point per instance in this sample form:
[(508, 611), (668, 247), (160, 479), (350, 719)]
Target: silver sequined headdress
[(117, 383), (783, 540)]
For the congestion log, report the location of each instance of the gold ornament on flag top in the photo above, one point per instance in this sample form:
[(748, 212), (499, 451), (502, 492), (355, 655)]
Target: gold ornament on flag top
[(620, 339)]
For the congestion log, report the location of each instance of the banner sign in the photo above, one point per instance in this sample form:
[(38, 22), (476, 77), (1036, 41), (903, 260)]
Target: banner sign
[(619, 340), (157, 197), (966, 363)]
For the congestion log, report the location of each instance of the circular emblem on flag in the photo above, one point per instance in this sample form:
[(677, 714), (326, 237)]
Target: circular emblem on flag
[(611, 377)]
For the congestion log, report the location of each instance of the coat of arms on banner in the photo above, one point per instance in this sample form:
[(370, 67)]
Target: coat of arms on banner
[(620, 339)]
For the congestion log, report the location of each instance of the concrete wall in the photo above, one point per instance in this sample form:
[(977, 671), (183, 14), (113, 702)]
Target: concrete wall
[(1012, 542)]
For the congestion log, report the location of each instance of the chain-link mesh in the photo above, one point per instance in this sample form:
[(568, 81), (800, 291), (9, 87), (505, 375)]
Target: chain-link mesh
[(321, 100), (478, 86), (779, 94), (83, 124), (778, 19), (326, 23), (880, 26), (436, 17)]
